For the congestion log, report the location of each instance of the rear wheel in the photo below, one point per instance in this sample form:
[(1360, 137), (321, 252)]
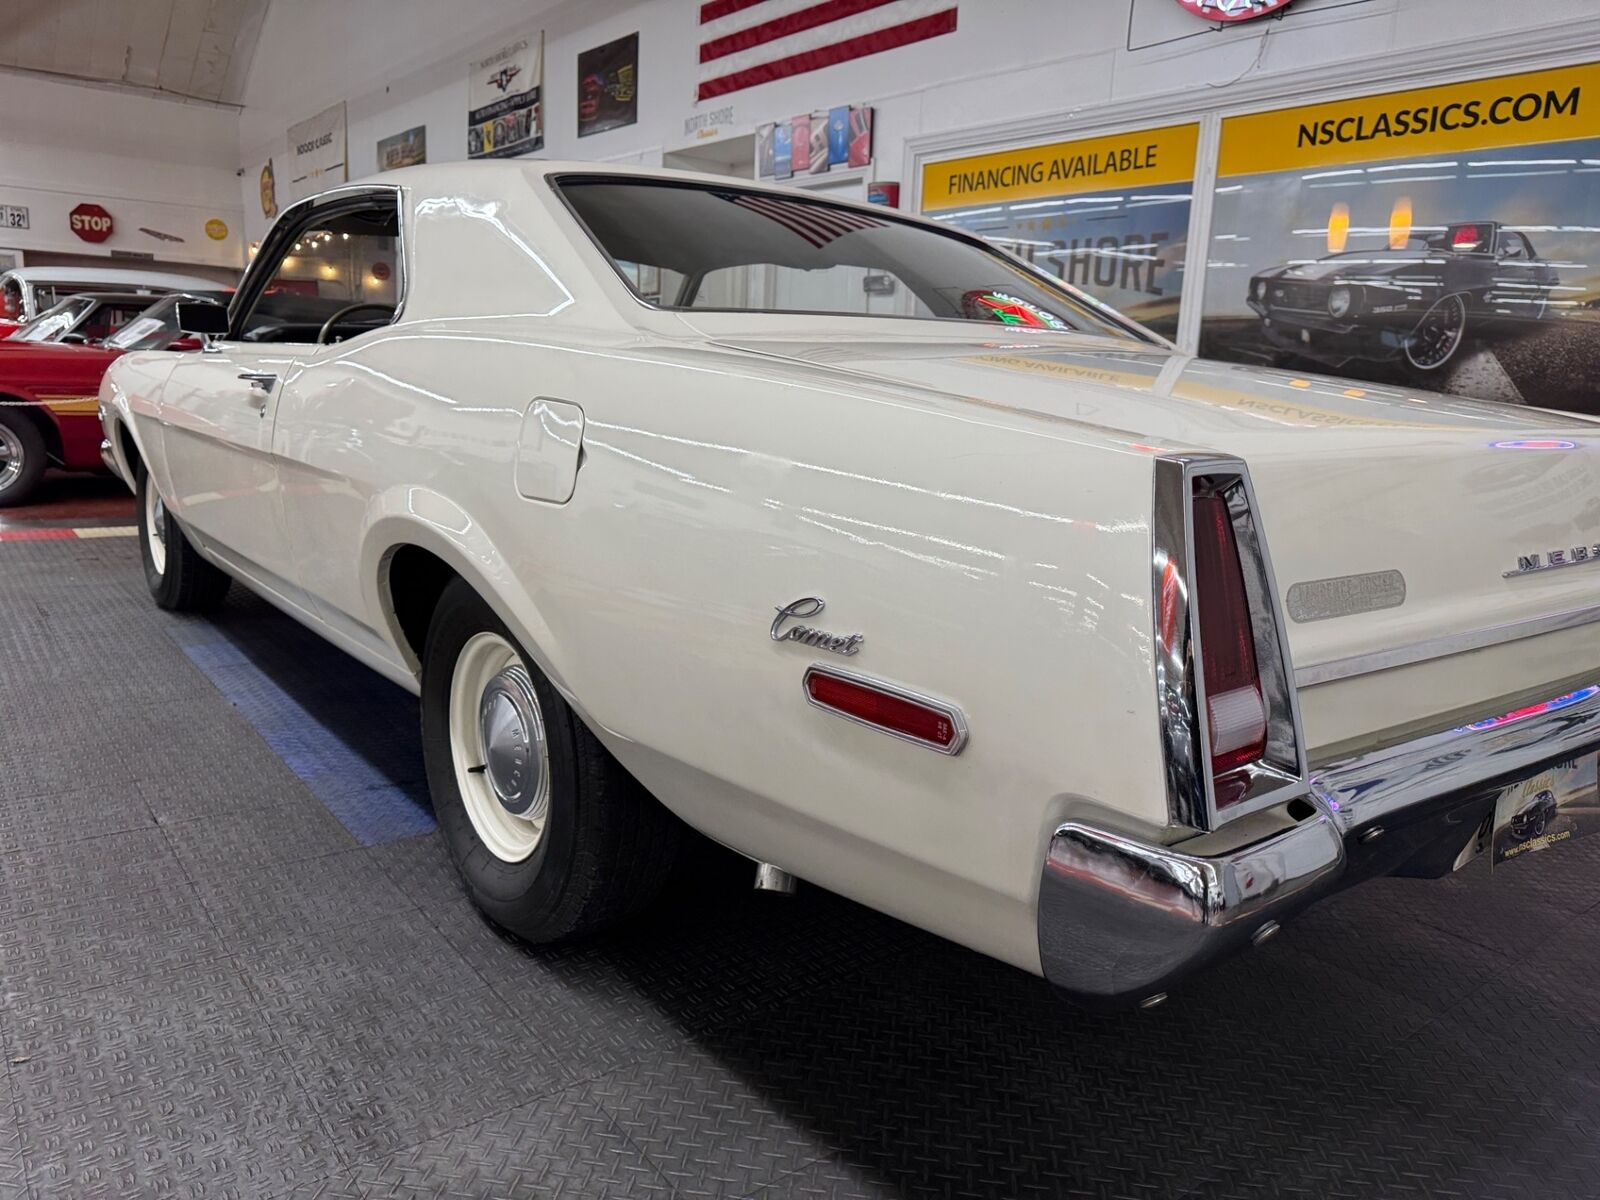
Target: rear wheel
[(22, 456), (178, 578), (553, 839)]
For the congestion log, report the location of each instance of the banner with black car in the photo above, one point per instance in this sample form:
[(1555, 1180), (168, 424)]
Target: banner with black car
[(1446, 238)]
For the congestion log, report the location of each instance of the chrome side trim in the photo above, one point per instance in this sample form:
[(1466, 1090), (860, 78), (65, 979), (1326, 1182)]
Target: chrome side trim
[(1443, 647), (1122, 919), (944, 707), (1180, 687)]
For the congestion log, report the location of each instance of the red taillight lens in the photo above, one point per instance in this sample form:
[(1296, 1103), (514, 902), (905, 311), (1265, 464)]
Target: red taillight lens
[(896, 714), (1235, 711)]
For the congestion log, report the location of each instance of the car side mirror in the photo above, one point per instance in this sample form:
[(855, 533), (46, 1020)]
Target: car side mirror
[(202, 317)]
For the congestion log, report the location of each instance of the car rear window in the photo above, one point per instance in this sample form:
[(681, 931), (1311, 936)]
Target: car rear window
[(688, 246)]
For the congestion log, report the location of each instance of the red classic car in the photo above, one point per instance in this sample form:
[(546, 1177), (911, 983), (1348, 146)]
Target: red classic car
[(49, 397)]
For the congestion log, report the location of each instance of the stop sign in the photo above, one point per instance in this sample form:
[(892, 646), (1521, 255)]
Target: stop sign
[(91, 222)]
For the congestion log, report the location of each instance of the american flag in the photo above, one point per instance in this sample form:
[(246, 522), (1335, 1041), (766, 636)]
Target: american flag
[(746, 42), (816, 223)]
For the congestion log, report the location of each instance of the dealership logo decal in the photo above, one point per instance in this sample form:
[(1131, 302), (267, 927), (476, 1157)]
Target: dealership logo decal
[(1232, 10), (502, 78)]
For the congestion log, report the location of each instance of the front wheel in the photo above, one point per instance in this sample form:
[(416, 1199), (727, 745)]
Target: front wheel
[(178, 578), (1439, 334), (553, 839), (22, 456)]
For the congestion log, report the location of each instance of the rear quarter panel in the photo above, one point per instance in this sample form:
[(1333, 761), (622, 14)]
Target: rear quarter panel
[(996, 561)]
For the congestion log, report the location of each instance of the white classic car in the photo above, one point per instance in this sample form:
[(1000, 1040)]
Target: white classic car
[(871, 553)]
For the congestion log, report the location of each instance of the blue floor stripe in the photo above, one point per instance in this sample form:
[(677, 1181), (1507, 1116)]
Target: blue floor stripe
[(358, 752)]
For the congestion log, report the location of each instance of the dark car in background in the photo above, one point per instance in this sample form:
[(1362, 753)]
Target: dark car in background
[(1534, 817), (1421, 303)]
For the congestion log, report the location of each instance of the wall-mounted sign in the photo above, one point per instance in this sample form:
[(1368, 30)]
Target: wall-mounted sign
[(1440, 237), (216, 229), (408, 149), (1108, 214), (317, 152), (14, 216), (608, 86), (90, 222), (505, 113), (708, 124), (381, 271), (815, 142), (269, 192), (884, 193), (1232, 10)]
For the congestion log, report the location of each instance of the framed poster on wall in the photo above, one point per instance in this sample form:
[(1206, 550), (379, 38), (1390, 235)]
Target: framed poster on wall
[(1108, 214), (505, 110), (1445, 237)]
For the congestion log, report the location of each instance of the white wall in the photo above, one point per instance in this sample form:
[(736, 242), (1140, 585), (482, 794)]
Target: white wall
[(400, 63), (160, 164)]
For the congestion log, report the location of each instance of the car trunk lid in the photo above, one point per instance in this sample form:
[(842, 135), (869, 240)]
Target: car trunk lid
[(1407, 530)]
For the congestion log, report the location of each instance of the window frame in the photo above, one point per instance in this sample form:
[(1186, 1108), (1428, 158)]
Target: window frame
[(1111, 317), (286, 229)]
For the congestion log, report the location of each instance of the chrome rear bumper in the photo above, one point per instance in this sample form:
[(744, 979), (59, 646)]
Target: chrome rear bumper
[(1121, 920)]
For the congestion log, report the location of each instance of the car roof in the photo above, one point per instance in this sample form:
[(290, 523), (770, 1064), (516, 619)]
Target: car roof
[(107, 275)]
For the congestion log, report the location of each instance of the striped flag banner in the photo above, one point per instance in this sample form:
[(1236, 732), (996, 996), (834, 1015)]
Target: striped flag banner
[(747, 42), (814, 223)]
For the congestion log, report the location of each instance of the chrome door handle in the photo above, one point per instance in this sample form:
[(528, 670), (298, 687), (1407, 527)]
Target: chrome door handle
[(259, 379)]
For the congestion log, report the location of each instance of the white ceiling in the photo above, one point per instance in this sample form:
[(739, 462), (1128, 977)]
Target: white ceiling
[(199, 49)]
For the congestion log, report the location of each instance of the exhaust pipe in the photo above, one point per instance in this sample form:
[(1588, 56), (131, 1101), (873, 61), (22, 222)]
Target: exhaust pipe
[(770, 878)]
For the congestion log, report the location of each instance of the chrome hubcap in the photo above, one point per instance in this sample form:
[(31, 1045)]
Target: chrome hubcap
[(498, 747), (11, 457), (513, 736)]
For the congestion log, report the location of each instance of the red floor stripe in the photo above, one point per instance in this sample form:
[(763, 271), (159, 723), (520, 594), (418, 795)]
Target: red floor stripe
[(36, 535)]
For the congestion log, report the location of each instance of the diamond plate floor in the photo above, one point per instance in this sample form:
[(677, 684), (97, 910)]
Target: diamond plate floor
[(219, 979)]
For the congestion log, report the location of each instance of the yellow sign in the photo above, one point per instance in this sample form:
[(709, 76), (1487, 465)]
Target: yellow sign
[(216, 229), (1511, 110), (1123, 160)]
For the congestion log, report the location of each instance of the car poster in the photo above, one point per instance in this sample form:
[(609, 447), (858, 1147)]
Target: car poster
[(408, 149), (814, 143), (505, 113), (608, 86), (1446, 238), (1108, 214), (1550, 809)]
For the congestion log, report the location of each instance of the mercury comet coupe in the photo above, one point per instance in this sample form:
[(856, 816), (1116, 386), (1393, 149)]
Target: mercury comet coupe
[(872, 553)]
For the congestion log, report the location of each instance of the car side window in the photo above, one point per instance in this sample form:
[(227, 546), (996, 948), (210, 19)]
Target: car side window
[(1514, 245), (341, 265)]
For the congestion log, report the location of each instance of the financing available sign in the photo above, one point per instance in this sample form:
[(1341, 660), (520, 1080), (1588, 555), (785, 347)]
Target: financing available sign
[(1125, 160), (316, 154), (505, 113)]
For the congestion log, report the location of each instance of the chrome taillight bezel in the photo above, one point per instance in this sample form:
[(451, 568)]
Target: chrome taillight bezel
[(1281, 773)]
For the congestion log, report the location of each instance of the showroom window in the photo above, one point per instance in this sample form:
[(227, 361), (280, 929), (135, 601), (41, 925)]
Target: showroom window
[(1109, 215), (1446, 237)]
